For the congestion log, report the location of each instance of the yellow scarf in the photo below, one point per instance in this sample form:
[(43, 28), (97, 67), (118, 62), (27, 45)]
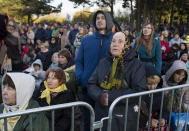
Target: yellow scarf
[(11, 121), (47, 91)]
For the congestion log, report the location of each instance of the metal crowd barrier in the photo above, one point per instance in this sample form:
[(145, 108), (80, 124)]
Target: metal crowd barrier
[(52, 108), (151, 92), (99, 124)]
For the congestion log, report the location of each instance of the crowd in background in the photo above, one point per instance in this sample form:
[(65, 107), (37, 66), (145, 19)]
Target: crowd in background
[(95, 63)]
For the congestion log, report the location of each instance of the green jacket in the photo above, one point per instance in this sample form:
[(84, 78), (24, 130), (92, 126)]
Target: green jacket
[(39, 120)]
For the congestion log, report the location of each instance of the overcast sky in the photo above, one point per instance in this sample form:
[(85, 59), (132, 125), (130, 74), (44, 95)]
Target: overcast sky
[(68, 7)]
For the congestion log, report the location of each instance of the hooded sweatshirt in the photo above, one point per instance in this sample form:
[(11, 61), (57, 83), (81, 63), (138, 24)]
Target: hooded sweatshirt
[(93, 48)]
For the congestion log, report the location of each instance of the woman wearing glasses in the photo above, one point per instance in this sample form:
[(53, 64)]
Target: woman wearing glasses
[(149, 48), (12, 42)]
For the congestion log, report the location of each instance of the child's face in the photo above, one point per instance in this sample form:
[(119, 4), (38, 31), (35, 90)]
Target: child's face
[(36, 67), (151, 86), (55, 58), (43, 48), (179, 77)]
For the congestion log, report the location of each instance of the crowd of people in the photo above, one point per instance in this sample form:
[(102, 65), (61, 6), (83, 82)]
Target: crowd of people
[(43, 65)]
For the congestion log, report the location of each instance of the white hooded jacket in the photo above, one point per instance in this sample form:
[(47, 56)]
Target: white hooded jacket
[(25, 85)]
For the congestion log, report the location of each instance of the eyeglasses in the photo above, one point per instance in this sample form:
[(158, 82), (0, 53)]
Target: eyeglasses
[(147, 28)]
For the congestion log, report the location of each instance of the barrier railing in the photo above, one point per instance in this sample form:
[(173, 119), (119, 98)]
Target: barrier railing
[(99, 124), (151, 92), (52, 108)]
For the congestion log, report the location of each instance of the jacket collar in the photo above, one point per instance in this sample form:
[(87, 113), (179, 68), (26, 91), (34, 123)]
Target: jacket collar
[(99, 36)]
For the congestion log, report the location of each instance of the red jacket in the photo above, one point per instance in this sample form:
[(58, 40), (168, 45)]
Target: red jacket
[(165, 49)]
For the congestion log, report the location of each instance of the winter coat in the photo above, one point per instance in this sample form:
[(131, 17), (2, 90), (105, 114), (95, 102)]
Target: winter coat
[(23, 39), (156, 103), (64, 40), (28, 60), (187, 66), (62, 116), (69, 64), (77, 43), (72, 36), (48, 33), (178, 64), (135, 79), (39, 120), (174, 41), (31, 36), (24, 86), (38, 75), (40, 34), (45, 58), (164, 49), (155, 54), (54, 32), (54, 47), (12, 42), (13, 46), (92, 49)]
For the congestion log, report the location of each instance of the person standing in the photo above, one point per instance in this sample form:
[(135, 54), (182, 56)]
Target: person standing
[(40, 33), (72, 36), (92, 49), (12, 42)]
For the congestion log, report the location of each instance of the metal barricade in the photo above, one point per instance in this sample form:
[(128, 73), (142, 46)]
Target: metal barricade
[(52, 108), (151, 93)]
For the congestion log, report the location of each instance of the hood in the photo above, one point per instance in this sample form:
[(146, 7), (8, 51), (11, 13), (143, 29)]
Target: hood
[(3, 31), (177, 65), (31, 68), (25, 85), (38, 61), (109, 21), (150, 71)]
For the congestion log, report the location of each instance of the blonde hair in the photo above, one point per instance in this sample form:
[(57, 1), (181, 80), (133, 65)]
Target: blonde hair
[(155, 79)]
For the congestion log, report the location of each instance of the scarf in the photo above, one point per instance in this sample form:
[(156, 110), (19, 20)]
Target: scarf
[(176, 99), (47, 91), (114, 79), (11, 121)]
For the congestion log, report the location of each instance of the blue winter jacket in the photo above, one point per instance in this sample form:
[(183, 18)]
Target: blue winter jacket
[(89, 55), (48, 33), (40, 34), (72, 36), (92, 49)]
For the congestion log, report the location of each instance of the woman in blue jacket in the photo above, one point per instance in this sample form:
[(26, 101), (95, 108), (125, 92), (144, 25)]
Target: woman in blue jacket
[(149, 48)]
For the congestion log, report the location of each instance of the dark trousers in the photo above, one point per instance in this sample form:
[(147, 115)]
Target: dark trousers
[(86, 112)]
